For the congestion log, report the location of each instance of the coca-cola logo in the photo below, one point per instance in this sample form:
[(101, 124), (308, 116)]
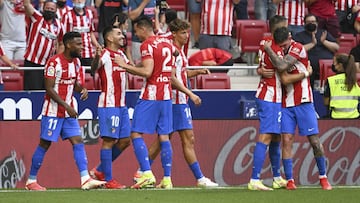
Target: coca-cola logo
[(341, 145), (11, 171), (90, 132)]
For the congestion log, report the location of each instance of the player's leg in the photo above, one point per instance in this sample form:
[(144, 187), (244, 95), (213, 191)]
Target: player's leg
[(309, 127), (275, 160), (288, 125), (70, 131), (49, 132)]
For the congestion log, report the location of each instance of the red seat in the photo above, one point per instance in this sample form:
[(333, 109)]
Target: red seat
[(135, 82), (347, 42), (325, 70), (13, 80), (89, 82), (249, 34), (213, 81), (178, 5)]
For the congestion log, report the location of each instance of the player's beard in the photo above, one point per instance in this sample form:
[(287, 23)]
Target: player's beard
[(75, 54)]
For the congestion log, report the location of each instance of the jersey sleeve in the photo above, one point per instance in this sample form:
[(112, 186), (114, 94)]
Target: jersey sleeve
[(49, 71)]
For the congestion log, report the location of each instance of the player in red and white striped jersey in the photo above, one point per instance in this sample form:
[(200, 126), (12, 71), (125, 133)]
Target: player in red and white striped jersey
[(62, 8), (45, 34), (59, 113), (80, 19), (298, 108), (111, 105), (294, 11), (216, 24)]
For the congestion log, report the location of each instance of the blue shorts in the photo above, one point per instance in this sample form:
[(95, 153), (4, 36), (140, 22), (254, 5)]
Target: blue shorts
[(153, 116), (194, 6), (270, 117), (182, 119), (114, 122), (53, 127), (304, 116)]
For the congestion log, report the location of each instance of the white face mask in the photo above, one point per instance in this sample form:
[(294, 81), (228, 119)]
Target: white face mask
[(79, 5)]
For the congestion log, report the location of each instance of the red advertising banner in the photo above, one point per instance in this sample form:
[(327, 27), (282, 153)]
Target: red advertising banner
[(224, 150)]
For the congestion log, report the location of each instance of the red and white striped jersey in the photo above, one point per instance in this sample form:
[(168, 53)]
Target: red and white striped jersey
[(65, 74), (158, 85), (1, 54), (342, 4), (42, 36), (170, 36), (83, 24), (112, 78), (217, 17), (293, 10), (60, 12), (181, 63), (298, 92), (269, 89)]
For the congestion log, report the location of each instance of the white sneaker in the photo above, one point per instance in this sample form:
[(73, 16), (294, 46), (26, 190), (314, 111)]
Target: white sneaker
[(206, 182), (257, 185), (91, 184)]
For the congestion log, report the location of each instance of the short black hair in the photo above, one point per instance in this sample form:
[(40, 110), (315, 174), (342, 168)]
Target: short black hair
[(69, 36), (170, 15), (143, 21), (310, 15), (106, 32), (281, 35), (276, 19)]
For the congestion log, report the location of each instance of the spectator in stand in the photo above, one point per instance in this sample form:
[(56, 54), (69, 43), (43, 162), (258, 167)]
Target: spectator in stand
[(241, 11), (107, 9), (341, 9), (342, 91), (318, 43), (324, 10), (59, 117), (194, 16), (80, 19), (120, 20), (115, 135), (136, 9), (264, 9), (45, 34), (294, 11), (356, 53), (216, 24), (212, 57), (356, 9), (62, 8), (8, 62), (12, 32)]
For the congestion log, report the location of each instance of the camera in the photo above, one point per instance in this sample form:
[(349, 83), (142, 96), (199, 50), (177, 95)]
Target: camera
[(162, 5)]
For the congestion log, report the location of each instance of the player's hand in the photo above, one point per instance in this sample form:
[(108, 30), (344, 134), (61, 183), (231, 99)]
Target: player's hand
[(98, 50), (267, 44), (266, 73), (196, 99), (71, 111), (84, 94), (120, 61)]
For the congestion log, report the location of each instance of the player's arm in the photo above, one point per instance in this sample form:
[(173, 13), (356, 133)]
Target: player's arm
[(287, 78), (193, 73), (82, 90), (29, 8), (281, 64), (145, 70), (96, 63), (179, 86)]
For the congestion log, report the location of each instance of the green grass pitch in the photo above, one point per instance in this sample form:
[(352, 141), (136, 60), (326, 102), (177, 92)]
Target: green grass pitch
[(185, 195)]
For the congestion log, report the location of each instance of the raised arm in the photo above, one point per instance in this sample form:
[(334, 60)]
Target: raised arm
[(29, 8), (137, 11)]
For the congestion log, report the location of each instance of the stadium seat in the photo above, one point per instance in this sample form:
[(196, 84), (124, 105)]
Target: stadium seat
[(13, 80), (135, 82), (325, 70), (178, 5), (347, 42), (249, 34), (89, 82), (213, 81)]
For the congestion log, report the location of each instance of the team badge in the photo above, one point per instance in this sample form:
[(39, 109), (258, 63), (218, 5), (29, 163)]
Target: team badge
[(51, 69)]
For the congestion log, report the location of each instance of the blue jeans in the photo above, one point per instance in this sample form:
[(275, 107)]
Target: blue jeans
[(264, 9)]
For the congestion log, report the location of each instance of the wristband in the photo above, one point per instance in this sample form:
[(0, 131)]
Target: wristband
[(307, 74)]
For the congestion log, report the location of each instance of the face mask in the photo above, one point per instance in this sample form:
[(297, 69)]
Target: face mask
[(310, 27), (61, 4), (79, 5), (333, 68), (49, 15)]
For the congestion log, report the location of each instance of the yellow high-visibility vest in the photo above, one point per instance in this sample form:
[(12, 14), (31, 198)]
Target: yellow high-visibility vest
[(343, 104)]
